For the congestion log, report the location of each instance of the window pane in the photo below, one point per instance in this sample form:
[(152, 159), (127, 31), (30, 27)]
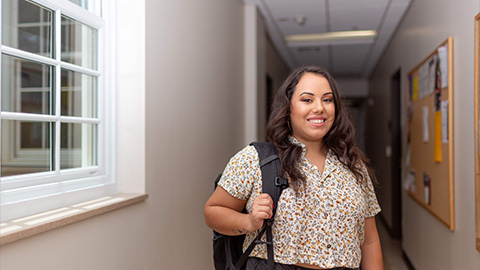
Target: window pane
[(26, 147), (79, 93), (79, 43), (30, 13), (78, 145), (27, 27), (26, 86), (79, 2), (90, 5), (33, 135)]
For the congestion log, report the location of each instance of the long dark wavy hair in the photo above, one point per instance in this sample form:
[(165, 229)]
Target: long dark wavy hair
[(340, 138)]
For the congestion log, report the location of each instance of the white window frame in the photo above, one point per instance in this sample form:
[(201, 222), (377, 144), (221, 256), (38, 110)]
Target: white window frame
[(28, 194)]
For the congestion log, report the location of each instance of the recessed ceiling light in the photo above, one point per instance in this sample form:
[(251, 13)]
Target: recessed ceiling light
[(348, 37)]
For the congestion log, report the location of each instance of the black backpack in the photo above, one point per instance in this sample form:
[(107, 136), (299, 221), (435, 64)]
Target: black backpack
[(227, 250)]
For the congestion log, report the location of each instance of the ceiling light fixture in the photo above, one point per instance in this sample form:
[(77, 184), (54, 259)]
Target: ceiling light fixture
[(330, 38)]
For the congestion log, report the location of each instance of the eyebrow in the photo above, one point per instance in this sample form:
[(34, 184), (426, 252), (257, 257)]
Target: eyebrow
[(306, 93), (311, 94)]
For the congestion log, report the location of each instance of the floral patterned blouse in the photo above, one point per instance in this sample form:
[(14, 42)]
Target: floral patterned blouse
[(319, 222)]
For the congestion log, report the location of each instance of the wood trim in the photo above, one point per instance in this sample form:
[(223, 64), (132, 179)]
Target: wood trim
[(477, 131), (450, 130)]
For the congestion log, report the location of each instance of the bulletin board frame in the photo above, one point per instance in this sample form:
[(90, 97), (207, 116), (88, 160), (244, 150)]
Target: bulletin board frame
[(477, 131), (430, 133)]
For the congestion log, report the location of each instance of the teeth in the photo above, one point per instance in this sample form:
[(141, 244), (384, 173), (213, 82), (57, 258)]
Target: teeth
[(317, 121)]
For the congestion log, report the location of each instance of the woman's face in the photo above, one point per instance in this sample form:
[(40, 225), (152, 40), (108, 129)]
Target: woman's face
[(312, 109)]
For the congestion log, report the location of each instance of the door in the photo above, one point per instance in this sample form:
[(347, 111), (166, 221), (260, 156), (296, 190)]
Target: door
[(396, 154)]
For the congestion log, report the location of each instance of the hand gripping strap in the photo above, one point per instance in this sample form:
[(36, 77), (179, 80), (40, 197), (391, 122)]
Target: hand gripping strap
[(272, 184)]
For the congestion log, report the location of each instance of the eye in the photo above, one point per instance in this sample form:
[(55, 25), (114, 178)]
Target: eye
[(328, 99), (308, 100)]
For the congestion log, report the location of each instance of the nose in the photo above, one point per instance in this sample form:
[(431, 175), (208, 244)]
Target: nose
[(317, 107)]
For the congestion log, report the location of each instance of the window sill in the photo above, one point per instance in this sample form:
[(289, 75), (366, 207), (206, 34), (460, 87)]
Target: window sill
[(21, 228)]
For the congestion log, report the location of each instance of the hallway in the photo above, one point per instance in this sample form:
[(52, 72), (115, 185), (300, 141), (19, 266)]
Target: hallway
[(187, 84), (391, 249)]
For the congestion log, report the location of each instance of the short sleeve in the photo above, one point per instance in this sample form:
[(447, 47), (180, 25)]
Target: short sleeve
[(240, 173), (373, 208)]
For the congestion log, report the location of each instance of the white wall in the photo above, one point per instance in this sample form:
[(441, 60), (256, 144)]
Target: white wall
[(193, 109), (427, 242)]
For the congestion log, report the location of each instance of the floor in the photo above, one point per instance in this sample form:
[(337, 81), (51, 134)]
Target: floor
[(392, 250)]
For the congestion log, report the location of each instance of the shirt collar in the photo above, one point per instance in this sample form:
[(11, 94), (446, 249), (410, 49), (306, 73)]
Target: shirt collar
[(296, 142), (330, 158)]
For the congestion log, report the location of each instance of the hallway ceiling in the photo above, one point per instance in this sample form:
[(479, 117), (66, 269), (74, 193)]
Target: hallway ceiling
[(345, 58)]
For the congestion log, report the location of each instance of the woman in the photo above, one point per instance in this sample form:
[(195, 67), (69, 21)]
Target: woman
[(326, 217)]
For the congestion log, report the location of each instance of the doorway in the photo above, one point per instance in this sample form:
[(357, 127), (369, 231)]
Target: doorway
[(396, 155)]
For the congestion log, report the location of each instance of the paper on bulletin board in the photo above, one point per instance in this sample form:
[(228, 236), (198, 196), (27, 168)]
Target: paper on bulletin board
[(415, 88), (443, 58), (444, 110), (423, 81), (437, 150), (409, 181), (425, 123), (407, 155), (427, 187), (432, 70)]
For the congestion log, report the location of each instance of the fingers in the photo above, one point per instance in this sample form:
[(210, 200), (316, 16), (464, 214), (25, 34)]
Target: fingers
[(262, 208), (264, 205)]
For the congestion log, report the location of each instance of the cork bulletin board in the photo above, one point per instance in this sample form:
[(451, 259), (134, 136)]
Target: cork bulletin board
[(477, 131), (429, 154)]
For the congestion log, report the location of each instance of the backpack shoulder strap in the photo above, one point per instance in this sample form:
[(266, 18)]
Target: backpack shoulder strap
[(272, 184)]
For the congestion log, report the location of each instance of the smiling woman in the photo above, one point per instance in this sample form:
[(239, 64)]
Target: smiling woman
[(327, 173)]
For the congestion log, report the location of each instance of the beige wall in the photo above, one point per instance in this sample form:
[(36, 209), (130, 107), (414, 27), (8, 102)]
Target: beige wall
[(193, 123), (194, 120), (210, 125), (255, 47), (427, 242)]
